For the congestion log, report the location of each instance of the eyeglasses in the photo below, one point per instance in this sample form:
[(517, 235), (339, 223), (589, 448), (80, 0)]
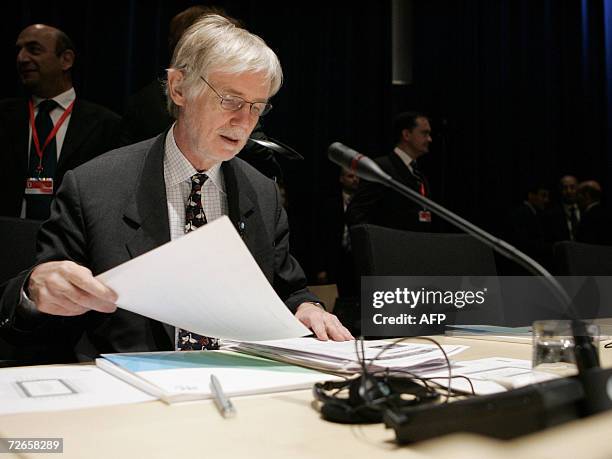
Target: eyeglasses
[(235, 103)]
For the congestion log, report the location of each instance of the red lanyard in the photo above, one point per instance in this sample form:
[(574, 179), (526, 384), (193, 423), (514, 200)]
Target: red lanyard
[(422, 189), (40, 151)]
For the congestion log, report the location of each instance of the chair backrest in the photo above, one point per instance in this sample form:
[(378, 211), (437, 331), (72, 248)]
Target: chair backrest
[(382, 251), (17, 245), (580, 259)]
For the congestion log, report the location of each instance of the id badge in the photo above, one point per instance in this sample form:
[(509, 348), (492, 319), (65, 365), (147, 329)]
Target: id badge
[(42, 186), (425, 216)]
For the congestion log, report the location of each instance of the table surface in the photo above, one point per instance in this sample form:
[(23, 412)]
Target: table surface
[(284, 425)]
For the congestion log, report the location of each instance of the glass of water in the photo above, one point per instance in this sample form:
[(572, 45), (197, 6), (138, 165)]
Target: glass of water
[(553, 343)]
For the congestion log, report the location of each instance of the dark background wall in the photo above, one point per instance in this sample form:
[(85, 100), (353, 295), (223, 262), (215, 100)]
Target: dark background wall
[(517, 89)]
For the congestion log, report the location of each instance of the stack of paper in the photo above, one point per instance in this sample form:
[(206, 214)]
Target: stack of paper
[(182, 376), (344, 357)]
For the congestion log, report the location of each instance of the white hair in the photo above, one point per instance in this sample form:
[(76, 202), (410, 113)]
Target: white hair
[(213, 43)]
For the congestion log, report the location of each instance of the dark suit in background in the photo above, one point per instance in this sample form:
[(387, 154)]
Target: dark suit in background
[(335, 256), (558, 224), (92, 130), (114, 209), (146, 114), (595, 225), (525, 229), (379, 205)]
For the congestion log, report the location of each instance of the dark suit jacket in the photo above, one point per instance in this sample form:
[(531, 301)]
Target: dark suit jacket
[(525, 229), (146, 114), (92, 130), (379, 205), (331, 257), (555, 224), (113, 209), (595, 226)]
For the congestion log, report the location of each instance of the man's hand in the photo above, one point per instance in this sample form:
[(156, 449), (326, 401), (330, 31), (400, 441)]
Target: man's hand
[(64, 288), (322, 323)]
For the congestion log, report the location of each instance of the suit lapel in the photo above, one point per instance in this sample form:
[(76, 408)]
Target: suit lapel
[(402, 172), (148, 210), (239, 203)]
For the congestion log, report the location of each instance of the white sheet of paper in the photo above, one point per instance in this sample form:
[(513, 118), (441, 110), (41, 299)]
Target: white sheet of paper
[(206, 282), (62, 387), (492, 375)]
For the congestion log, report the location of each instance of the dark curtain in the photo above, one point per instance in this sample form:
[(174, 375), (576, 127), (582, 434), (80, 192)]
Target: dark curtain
[(518, 90)]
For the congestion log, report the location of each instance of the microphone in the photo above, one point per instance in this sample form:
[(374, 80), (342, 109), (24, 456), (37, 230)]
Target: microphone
[(589, 394), (361, 165), (277, 147)]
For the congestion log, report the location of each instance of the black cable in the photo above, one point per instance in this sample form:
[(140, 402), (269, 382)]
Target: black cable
[(396, 342), (432, 380)]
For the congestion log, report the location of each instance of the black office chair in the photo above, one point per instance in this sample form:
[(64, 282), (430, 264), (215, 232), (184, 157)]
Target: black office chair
[(586, 269), (580, 259), (382, 251), (17, 245)]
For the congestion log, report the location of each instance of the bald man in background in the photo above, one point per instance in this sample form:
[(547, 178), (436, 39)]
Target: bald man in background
[(51, 131)]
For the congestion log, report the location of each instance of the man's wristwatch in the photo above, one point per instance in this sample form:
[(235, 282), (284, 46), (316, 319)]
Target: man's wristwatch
[(316, 303)]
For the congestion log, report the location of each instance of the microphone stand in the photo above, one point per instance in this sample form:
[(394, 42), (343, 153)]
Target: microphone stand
[(547, 403)]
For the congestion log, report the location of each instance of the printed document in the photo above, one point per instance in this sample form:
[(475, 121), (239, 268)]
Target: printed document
[(206, 282)]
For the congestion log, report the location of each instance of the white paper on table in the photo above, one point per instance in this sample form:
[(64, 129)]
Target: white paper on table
[(492, 375), (206, 282), (62, 387)]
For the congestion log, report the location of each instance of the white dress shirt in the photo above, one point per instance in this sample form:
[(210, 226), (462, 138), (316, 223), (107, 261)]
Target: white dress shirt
[(177, 175)]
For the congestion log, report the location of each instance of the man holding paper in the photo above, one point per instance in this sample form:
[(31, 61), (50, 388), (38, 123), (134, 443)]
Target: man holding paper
[(141, 196)]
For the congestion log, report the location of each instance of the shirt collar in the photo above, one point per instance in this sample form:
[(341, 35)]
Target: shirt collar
[(178, 169), (63, 100), (406, 159)]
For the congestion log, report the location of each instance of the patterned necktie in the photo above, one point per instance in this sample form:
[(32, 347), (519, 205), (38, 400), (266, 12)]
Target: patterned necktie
[(195, 218), (37, 206)]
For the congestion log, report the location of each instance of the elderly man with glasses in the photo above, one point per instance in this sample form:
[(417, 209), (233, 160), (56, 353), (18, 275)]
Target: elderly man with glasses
[(136, 198)]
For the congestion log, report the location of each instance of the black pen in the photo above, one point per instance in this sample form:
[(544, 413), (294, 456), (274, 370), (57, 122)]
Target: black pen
[(225, 405)]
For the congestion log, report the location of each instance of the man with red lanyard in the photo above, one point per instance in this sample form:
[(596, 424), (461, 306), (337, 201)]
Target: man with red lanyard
[(62, 132), (378, 205)]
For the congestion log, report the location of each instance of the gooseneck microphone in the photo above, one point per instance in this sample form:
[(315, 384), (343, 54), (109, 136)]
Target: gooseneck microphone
[(277, 146), (546, 403)]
